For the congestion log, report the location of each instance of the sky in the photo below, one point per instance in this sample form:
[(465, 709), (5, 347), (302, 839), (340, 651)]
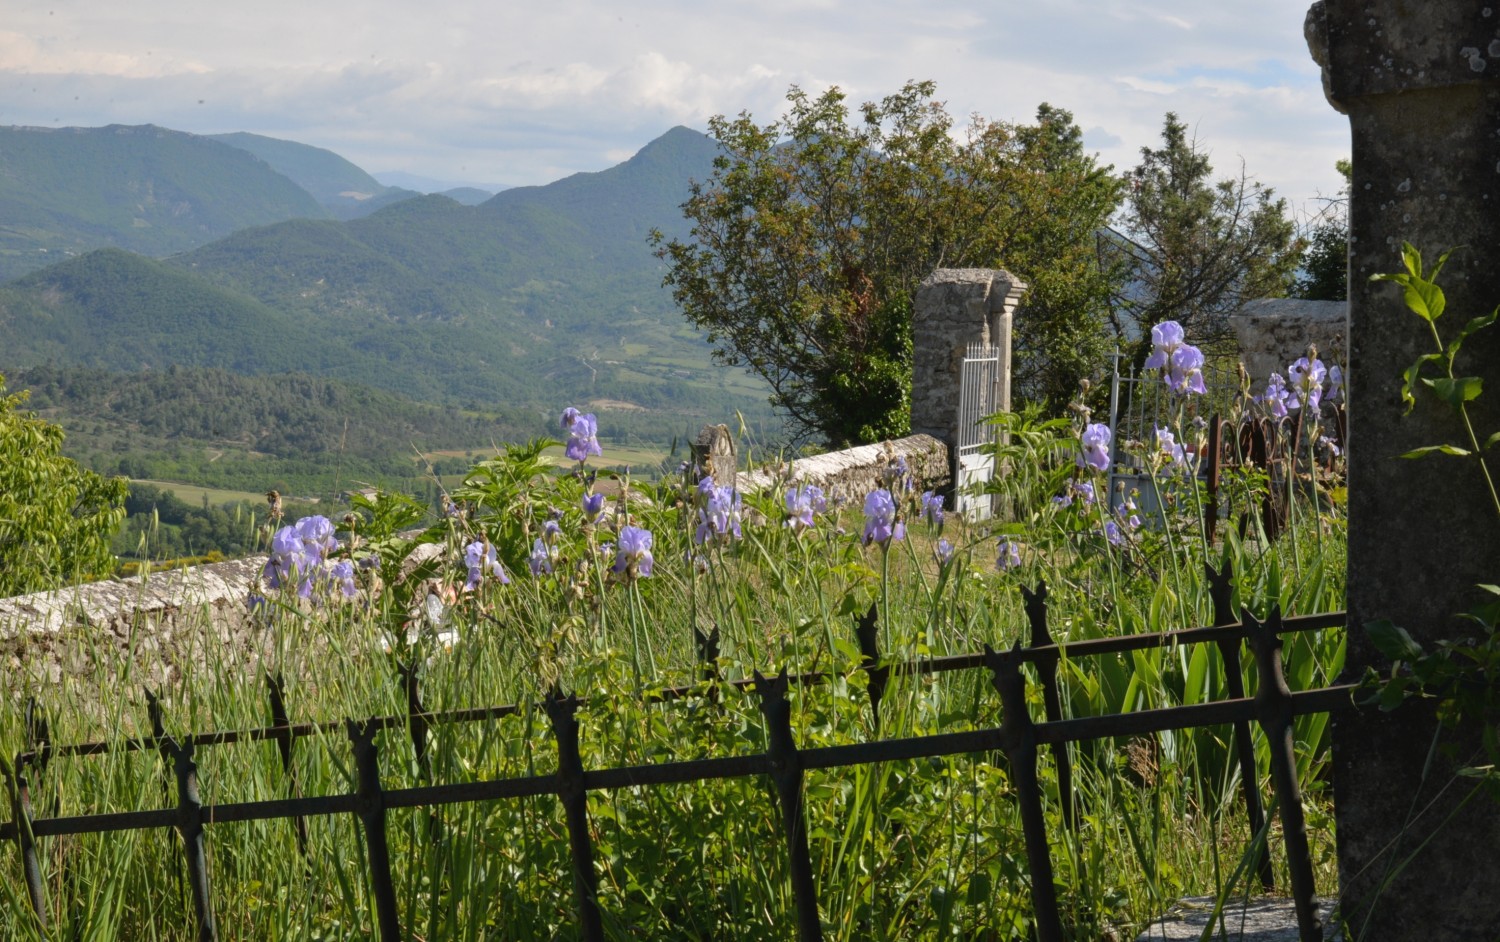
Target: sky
[(516, 93)]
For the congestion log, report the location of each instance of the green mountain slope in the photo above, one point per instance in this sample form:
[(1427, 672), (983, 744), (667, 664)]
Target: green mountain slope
[(346, 191), (113, 308), (286, 415), (538, 297), (145, 189)]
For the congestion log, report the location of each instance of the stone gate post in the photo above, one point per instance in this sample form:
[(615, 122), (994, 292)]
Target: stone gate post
[(1420, 83), (955, 307)]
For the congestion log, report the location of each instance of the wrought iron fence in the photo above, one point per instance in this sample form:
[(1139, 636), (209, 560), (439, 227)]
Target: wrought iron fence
[(1018, 737)]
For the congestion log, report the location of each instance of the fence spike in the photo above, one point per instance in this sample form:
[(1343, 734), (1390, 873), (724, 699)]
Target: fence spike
[(371, 813), (562, 711), (708, 652), (786, 774), (869, 648), (1018, 739), (1273, 705), (190, 826), (1215, 456), (416, 716), (20, 809), (276, 688), (38, 738), (1046, 669), (1221, 591)]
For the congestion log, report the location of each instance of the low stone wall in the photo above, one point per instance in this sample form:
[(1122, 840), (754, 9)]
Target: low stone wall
[(165, 621), (854, 472), (1274, 332), (171, 619)]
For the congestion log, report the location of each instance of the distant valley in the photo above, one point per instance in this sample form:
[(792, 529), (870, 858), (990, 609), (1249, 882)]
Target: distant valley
[(264, 258)]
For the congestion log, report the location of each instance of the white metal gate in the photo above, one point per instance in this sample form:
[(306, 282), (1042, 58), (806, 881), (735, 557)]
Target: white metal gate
[(979, 395)]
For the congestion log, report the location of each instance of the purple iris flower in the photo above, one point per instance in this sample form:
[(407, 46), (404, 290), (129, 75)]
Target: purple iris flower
[(1166, 338), (897, 475), (1127, 513), (1276, 396), (1305, 380), (1081, 490), (1335, 383), (551, 530), (482, 561), (1166, 444), (297, 553), (316, 533), (1113, 534), (943, 551), (541, 557), (593, 506), (801, 503), (342, 574), (719, 517), (932, 508), (583, 434), (1010, 555), (881, 525), (634, 552), (1181, 363), (1095, 441), (1185, 371)]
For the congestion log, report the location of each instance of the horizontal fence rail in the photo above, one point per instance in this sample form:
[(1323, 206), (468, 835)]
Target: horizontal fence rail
[(1273, 707)]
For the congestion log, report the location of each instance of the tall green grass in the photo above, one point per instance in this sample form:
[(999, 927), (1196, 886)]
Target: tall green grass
[(901, 850)]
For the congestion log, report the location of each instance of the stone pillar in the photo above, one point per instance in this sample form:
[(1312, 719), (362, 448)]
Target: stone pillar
[(955, 307), (714, 454), (1420, 83)]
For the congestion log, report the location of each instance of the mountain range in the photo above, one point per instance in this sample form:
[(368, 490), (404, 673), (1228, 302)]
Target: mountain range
[(262, 256)]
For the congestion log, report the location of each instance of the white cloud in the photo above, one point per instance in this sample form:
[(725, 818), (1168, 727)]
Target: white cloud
[(526, 93)]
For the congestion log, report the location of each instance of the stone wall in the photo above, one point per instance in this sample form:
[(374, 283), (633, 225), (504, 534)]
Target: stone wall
[(165, 621), (1275, 331), (854, 472)]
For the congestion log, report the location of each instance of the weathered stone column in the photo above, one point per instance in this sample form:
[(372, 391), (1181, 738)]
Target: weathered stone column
[(1420, 83), (714, 454), (956, 307)]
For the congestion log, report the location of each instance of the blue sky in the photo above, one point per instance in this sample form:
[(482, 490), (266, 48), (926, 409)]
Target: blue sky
[(527, 93)]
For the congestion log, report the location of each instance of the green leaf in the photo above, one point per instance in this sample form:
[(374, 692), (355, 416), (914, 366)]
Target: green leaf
[(1443, 449), (1411, 258), (1478, 323), (1425, 299), (1489, 442), (1442, 260), (1456, 390), (1410, 377), (1392, 640), (1392, 695)]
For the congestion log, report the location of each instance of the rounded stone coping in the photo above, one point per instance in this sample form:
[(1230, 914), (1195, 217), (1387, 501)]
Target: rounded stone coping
[(108, 601)]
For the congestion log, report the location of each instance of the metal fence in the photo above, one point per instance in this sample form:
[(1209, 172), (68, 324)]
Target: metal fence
[(980, 394), (1139, 404), (1018, 737)]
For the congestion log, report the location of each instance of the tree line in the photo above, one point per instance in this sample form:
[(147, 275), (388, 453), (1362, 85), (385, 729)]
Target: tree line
[(811, 235)]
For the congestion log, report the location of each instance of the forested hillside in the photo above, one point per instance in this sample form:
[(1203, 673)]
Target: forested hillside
[(338, 185), (147, 189), (538, 298)]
